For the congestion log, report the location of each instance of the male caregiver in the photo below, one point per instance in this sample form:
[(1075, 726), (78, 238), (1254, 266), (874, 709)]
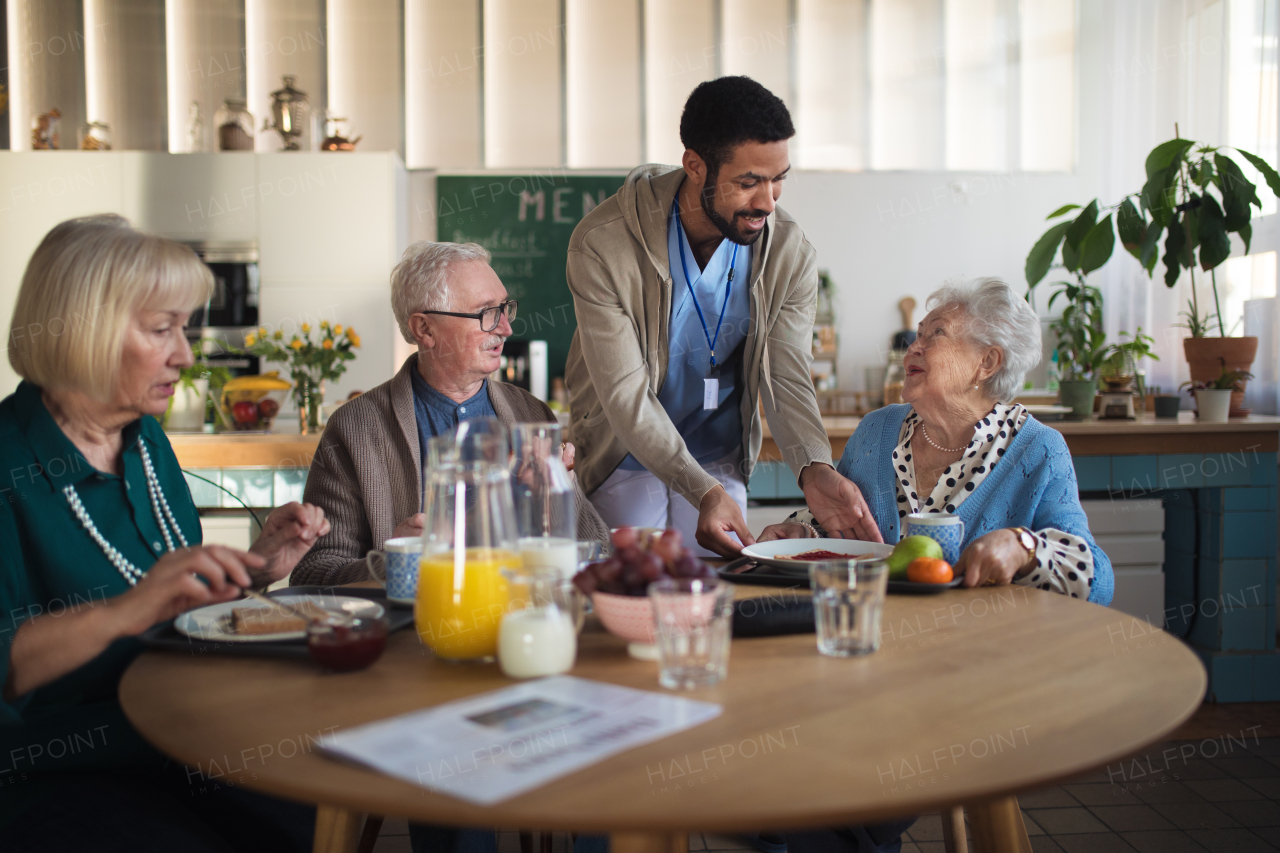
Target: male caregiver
[(695, 293)]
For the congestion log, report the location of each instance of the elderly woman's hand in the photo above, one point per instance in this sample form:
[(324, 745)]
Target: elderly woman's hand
[(289, 533), (181, 580), (785, 530), (995, 559)]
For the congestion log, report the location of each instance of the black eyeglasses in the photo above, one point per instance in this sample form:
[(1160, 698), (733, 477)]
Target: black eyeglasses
[(489, 318)]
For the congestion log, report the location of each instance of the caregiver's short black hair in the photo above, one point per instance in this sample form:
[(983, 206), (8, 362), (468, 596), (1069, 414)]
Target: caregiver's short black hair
[(728, 111)]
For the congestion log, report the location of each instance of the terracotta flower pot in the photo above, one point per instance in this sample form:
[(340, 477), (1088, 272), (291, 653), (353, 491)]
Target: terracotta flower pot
[(1205, 358)]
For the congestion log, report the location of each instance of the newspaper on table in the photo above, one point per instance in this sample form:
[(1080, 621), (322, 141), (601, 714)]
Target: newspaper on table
[(491, 747)]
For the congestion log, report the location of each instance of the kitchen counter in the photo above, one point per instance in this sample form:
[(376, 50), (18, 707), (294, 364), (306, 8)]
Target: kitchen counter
[(1085, 438), (244, 450), (1095, 437)]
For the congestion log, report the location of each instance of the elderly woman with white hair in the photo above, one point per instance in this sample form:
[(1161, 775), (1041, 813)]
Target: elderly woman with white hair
[(100, 540), (961, 445)]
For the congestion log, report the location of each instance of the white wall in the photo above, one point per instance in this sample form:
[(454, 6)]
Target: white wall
[(886, 235)]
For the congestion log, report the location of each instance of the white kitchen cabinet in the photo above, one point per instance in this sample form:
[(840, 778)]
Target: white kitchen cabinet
[(195, 197), (329, 227), (39, 189), (1131, 533)]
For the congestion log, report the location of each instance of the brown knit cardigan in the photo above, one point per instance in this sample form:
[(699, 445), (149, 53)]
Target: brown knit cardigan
[(367, 475)]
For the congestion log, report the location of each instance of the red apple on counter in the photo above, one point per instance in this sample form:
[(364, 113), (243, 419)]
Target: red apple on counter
[(245, 412)]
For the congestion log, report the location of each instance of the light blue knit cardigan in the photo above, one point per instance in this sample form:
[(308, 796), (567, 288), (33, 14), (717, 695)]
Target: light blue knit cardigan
[(1034, 486)]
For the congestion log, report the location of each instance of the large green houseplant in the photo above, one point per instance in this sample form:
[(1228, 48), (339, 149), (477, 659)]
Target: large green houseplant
[(1195, 197)]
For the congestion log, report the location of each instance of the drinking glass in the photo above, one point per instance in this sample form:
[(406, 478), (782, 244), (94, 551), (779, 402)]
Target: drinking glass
[(692, 621), (538, 635), (543, 496), (848, 597), (469, 537)]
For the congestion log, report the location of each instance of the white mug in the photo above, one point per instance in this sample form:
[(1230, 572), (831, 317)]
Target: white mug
[(400, 558)]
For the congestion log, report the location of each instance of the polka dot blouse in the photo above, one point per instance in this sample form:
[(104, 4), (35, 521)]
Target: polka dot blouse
[(1064, 562)]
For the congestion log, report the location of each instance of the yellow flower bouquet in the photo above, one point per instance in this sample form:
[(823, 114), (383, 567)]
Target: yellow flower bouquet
[(309, 362)]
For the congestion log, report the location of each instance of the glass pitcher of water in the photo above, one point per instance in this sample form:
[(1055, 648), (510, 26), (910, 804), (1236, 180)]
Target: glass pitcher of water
[(543, 496)]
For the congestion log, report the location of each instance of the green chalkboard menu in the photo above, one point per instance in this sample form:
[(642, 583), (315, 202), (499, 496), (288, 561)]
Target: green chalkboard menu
[(526, 222)]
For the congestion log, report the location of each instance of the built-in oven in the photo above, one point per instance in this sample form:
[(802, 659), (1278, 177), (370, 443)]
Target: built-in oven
[(219, 326)]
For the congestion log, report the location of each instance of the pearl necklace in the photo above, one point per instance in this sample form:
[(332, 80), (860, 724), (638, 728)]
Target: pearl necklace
[(159, 506), (925, 433)]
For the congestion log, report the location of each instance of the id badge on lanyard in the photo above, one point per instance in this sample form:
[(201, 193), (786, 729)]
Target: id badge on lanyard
[(710, 385)]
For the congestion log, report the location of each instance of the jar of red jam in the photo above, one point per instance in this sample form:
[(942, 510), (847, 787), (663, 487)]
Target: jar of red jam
[(344, 643)]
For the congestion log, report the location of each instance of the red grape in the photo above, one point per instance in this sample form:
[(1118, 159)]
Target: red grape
[(635, 564), (625, 537)]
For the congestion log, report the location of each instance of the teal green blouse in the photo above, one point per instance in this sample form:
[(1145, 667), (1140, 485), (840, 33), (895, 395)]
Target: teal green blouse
[(50, 565)]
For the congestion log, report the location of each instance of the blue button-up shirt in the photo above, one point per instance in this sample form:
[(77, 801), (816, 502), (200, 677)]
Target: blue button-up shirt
[(436, 414), (710, 434)]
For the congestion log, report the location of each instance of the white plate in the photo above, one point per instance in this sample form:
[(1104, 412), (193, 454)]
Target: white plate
[(212, 622), (770, 553)]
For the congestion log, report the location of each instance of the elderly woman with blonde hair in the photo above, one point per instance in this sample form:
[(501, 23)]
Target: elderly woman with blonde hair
[(961, 445), (99, 540)]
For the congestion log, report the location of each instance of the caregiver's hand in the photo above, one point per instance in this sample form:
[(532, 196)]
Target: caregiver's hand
[(995, 559), (837, 504), (785, 530), (718, 517)]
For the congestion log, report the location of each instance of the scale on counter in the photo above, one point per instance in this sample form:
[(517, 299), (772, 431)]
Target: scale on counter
[(1116, 406), (1115, 400)]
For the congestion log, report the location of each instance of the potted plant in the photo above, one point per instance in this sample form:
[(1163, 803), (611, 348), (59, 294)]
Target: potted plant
[(1195, 197), (310, 363), (188, 407), (1213, 398), (1081, 340)]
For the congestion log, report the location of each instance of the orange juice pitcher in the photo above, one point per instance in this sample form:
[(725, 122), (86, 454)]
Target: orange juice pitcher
[(469, 538)]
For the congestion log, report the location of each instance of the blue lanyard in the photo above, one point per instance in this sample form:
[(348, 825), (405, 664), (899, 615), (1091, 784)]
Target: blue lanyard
[(733, 262)]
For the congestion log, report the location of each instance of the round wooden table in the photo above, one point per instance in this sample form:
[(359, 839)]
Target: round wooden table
[(974, 696)]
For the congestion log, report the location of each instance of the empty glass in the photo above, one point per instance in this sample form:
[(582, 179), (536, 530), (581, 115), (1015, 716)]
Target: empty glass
[(543, 496), (692, 624), (848, 597)]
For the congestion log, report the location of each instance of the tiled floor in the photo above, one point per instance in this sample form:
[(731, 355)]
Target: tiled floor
[(1218, 794)]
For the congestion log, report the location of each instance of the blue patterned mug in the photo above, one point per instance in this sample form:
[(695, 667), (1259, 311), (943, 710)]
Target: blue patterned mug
[(400, 558), (945, 529)]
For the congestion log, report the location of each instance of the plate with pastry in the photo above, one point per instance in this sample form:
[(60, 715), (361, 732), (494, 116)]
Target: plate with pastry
[(794, 556), (248, 621)]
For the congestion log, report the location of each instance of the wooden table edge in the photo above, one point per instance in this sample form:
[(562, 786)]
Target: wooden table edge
[(336, 817)]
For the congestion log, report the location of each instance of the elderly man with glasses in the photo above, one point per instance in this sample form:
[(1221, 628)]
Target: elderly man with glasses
[(366, 474)]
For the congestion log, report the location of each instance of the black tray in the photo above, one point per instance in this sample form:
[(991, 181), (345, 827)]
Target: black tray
[(745, 571), (163, 636)]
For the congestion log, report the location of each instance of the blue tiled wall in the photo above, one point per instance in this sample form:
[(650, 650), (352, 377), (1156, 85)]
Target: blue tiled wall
[(263, 488), (1235, 570)]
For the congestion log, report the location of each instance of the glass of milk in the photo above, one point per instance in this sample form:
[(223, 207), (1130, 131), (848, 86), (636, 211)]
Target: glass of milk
[(537, 636)]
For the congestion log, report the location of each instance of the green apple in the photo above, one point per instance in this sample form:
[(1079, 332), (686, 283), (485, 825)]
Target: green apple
[(909, 549)]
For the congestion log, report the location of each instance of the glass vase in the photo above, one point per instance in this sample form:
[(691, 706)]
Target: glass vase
[(309, 395)]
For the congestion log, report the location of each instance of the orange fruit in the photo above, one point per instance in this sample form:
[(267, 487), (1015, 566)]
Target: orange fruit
[(929, 570)]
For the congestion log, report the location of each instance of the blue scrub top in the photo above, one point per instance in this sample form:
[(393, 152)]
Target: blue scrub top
[(712, 434)]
